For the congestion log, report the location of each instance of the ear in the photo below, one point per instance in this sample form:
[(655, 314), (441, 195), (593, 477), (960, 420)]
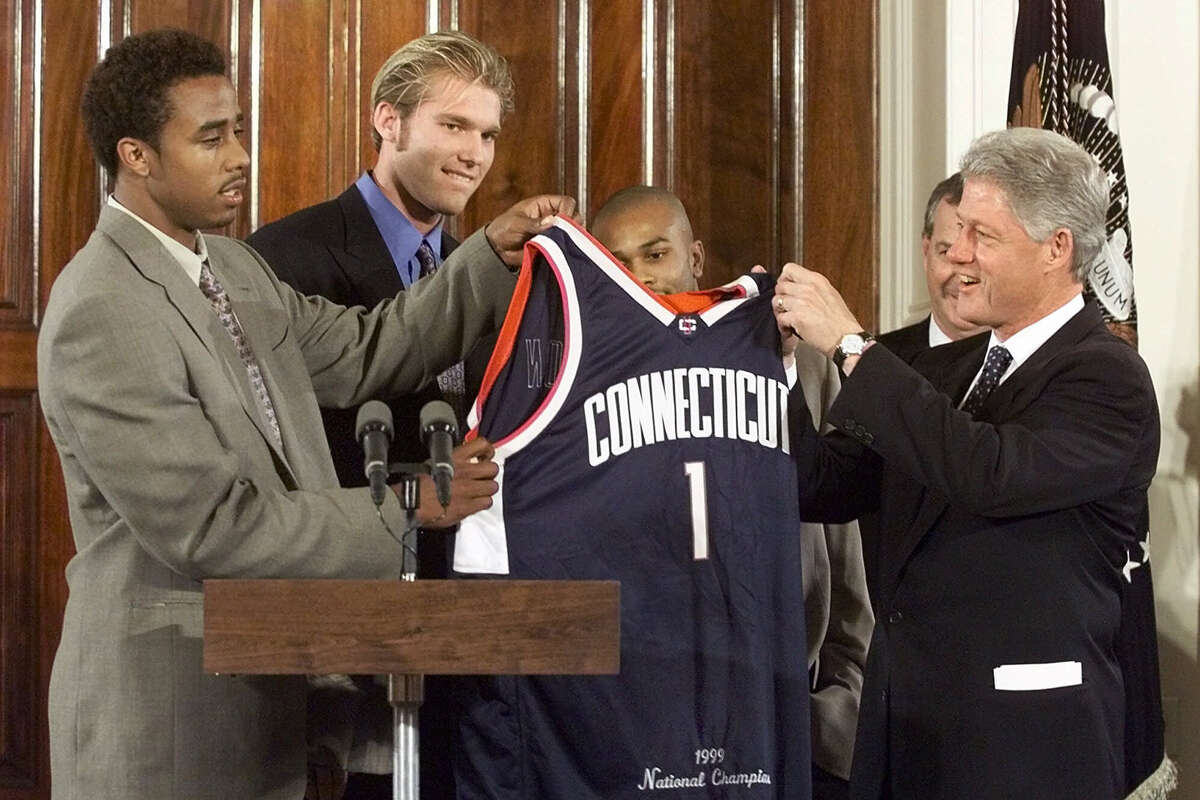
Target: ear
[(134, 155), (387, 122), (925, 244), (696, 258), (1060, 250)]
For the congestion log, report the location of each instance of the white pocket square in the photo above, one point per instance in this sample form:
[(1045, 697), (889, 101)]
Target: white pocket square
[(1031, 677)]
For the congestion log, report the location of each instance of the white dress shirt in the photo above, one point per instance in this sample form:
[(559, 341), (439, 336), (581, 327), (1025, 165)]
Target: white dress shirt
[(1025, 342), (189, 260)]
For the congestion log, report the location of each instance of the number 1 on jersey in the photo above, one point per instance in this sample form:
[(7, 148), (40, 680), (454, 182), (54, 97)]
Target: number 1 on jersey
[(694, 470)]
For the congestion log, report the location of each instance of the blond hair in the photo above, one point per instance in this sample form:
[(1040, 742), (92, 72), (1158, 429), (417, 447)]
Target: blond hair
[(405, 78)]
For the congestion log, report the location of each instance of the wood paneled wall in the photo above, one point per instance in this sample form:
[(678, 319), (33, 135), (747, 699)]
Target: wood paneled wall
[(760, 115)]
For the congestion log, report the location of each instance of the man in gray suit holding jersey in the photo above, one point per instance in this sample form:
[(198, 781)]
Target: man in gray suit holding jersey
[(181, 383)]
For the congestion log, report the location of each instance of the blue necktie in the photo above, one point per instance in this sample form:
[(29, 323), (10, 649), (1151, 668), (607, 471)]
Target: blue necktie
[(997, 361)]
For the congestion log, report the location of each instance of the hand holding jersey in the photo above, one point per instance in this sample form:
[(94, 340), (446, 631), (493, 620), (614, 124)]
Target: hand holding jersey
[(788, 340), (508, 233), (806, 303)]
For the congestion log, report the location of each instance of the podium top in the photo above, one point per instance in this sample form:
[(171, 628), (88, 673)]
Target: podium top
[(477, 627)]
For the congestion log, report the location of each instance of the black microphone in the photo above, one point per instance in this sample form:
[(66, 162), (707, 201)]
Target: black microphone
[(373, 430), (439, 429)]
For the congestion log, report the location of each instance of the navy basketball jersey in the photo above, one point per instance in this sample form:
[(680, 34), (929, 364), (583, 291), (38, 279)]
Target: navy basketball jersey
[(643, 439)]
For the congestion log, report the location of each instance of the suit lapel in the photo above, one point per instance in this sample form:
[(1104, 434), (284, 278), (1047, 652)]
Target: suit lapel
[(951, 368), (158, 266), (1012, 393), (365, 258)]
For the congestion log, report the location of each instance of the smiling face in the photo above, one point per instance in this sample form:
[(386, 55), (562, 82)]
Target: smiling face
[(1006, 279), (941, 274), (654, 242), (431, 162), (196, 178)]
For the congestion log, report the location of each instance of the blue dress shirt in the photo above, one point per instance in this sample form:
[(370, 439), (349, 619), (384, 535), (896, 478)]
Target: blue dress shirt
[(401, 238)]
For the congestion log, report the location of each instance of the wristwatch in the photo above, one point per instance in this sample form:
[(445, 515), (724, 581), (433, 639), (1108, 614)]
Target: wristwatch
[(852, 344)]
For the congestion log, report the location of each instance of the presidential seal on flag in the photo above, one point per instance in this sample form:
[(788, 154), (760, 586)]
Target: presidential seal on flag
[(1061, 81)]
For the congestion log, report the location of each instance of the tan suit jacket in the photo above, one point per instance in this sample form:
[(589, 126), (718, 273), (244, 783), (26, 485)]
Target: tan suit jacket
[(171, 479), (837, 609)]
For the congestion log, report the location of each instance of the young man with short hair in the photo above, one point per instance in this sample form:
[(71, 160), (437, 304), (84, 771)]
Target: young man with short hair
[(180, 382), (437, 107)]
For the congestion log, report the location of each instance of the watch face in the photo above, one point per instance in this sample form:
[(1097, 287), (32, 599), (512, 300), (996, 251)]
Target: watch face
[(852, 344)]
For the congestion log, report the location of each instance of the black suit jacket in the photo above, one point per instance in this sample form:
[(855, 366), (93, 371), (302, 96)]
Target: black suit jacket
[(908, 342), (1004, 542), (334, 250)]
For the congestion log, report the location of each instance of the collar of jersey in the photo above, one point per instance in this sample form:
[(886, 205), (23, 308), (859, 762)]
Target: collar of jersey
[(704, 302)]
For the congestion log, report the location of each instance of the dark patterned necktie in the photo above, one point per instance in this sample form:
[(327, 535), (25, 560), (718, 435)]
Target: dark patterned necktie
[(216, 295), (426, 259), (997, 361), (452, 382)]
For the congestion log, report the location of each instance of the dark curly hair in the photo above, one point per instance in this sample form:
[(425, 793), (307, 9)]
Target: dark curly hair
[(126, 94)]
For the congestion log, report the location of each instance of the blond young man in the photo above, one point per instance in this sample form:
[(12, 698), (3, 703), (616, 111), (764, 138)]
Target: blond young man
[(437, 105)]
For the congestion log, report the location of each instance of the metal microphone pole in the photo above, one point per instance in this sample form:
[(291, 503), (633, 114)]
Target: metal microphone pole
[(406, 692)]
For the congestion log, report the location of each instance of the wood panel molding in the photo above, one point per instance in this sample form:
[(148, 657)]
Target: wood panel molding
[(659, 56), (20, 80), (840, 151), (618, 85), (727, 133), (789, 145), (21, 698), (538, 147)]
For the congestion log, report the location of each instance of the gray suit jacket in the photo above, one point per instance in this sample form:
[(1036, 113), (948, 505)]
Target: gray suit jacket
[(837, 610), (170, 479)]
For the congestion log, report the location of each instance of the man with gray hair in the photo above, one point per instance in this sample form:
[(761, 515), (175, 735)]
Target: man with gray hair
[(1011, 479), (437, 105)]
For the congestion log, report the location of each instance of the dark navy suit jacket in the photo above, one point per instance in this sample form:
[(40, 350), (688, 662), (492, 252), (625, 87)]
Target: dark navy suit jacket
[(1004, 540)]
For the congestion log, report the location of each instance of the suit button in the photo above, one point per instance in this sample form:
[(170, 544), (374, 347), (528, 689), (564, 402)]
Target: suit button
[(884, 695), (895, 617)]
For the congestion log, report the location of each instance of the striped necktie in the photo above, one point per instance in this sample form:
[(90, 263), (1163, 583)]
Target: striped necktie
[(215, 292)]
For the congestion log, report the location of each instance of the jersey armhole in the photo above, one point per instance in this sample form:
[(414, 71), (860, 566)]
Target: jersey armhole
[(510, 428), (505, 342)]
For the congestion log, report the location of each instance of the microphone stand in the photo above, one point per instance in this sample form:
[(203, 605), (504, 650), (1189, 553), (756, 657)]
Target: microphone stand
[(406, 692)]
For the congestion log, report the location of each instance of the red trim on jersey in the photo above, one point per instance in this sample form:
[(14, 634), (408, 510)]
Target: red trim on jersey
[(566, 352), (507, 339), (680, 303)]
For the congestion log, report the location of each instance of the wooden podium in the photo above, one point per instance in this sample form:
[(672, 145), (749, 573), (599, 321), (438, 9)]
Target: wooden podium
[(407, 629)]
